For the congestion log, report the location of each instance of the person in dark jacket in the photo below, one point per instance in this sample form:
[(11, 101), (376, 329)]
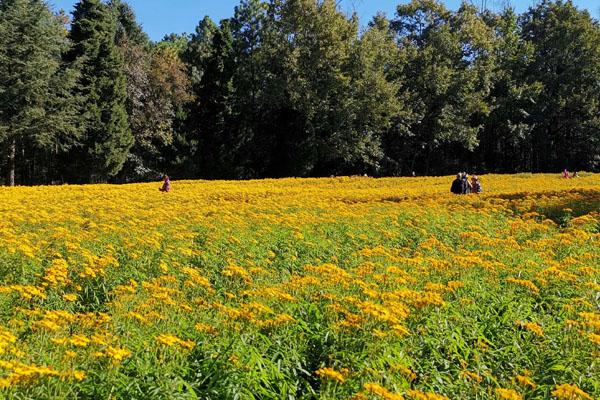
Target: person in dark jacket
[(466, 185), (457, 185)]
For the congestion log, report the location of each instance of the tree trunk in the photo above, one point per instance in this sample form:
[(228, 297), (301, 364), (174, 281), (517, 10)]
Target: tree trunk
[(12, 154)]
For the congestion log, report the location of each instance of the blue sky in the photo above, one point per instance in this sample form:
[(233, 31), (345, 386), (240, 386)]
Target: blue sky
[(161, 17)]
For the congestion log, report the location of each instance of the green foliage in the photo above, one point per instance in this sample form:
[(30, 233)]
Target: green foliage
[(446, 73), (106, 136), (508, 129), (37, 118), (297, 88), (128, 29), (210, 58), (566, 64), (157, 90)]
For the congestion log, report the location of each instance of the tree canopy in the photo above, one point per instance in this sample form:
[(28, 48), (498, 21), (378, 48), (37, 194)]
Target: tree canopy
[(297, 88)]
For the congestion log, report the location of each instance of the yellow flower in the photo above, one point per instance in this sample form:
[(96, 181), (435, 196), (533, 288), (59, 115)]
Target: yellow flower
[(526, 381), (70, 354), (532, 327), (400, 330), (418, 395), (405, 371), (381, 391), (79, 340), (205, 328), (594, 338), (570, 392), (117, 354), (6, 339), (379, 333), (170, 340), (79, 375), (187, 344), (70, 297), (471, 375), (331, 374), (167, 339), (508, 394), (373, 258), (525, 283)]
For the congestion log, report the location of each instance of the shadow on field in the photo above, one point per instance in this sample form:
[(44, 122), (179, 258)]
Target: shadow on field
[(559, 206)]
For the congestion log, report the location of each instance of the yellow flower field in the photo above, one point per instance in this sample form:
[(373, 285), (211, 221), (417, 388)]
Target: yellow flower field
[(341, 288)]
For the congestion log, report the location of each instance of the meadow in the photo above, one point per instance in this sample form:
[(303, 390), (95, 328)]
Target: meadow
[(341, 288)]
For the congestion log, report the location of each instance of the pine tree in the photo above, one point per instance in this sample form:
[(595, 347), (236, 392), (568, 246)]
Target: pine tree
[(249, 80), (106, 134), (128, 29), (199, 48), (36, 108), (171, 87), (211, 115)]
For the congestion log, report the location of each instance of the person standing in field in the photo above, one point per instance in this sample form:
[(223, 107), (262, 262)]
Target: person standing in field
[(166, 187), (457, 185)]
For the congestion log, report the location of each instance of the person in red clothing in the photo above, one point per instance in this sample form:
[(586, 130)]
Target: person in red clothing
[(166, 187), (476, 185)]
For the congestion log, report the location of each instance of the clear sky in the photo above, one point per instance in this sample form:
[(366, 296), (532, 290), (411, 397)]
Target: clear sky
[(161, 17)]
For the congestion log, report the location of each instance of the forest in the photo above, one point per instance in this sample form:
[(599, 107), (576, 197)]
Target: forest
[(296, 88)]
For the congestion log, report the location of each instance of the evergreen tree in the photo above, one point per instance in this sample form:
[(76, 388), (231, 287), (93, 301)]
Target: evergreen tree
[(106, 136), (199, 48), (211, 113), (128, 29), (196, 54), (169, 93), (36, 108), (178, 157), (251, 149)]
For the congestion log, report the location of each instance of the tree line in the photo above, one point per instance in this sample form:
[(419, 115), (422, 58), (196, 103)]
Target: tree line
[(296, 88)]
